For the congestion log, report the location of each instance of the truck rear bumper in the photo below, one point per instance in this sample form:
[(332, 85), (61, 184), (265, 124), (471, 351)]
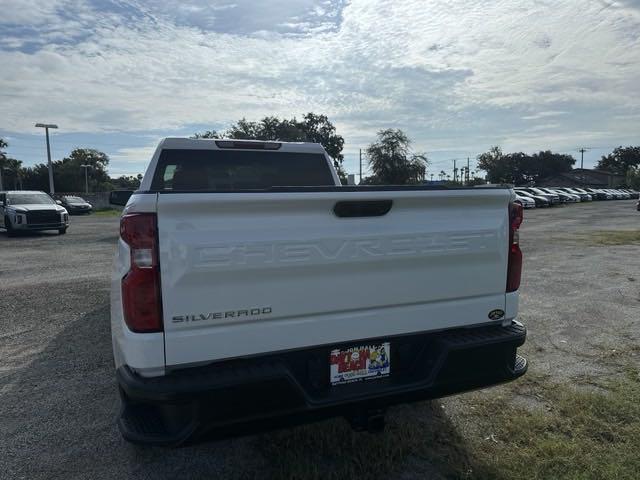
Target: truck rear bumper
[(248, 395)]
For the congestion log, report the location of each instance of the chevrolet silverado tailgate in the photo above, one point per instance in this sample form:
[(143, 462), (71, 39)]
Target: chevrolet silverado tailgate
[(247, 273)]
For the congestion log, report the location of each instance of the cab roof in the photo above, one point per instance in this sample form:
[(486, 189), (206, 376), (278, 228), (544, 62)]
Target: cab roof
[(177, 143)]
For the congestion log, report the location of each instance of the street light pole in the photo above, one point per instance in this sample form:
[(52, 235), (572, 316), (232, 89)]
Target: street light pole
[(86, 180), (46, 127)]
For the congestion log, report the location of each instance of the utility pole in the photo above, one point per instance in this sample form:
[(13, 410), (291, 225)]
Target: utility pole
[(360, 166), (582, 150), (86, 178), (468, 171), (46, 127), (455, 171)]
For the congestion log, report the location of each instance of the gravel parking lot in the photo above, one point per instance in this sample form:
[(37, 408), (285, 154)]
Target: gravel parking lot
[(580, 300)]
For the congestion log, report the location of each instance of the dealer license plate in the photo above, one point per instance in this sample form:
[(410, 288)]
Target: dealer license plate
[(356, 364)]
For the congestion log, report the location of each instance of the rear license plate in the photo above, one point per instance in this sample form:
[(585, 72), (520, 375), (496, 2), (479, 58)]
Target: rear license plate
[(356, 364)]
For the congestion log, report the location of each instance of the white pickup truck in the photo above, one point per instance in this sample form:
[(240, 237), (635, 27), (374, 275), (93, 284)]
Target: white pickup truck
[(251, 290)]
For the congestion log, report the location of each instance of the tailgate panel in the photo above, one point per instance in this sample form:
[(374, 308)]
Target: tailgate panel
[(247, 273)]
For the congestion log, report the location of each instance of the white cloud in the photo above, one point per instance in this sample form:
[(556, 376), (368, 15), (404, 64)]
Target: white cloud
[(134, 155), (543, 114), (131, 160), (450, 72), (29, 12)]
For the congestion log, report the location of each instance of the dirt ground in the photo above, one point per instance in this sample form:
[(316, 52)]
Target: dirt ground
[(580, 299)]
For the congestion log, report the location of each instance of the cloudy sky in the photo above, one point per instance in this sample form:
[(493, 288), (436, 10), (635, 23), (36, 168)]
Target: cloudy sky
[(457, 76)]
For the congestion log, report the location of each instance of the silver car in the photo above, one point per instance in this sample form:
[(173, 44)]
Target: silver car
[(526, 202)]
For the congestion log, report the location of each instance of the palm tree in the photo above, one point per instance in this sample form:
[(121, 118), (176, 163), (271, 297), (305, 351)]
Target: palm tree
[(10, 168)]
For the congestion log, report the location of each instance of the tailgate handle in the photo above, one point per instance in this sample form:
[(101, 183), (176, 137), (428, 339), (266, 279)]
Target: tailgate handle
[(362, 208)]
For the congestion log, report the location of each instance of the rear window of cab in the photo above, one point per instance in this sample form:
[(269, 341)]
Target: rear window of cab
[(230, 170)]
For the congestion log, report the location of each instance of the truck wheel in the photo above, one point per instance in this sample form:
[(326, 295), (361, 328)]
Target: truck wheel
[(10, 231), (62, 231)]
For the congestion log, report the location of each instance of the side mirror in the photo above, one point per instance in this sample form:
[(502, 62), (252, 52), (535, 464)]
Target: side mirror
[(59, 202), (120, 197)]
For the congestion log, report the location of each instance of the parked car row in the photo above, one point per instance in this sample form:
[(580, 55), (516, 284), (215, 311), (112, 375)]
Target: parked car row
[(532, 197)]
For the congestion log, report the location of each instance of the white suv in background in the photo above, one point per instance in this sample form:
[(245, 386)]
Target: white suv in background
[(22, 210)]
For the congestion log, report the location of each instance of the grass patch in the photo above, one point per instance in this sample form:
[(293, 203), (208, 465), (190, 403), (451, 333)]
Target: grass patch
[(614, 237), (581, 434), (575, 434), (108, 212)]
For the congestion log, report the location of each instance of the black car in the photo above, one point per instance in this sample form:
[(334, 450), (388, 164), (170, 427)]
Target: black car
[(75, 205)]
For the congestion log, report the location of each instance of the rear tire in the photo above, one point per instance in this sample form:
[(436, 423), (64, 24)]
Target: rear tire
[(62, 231)]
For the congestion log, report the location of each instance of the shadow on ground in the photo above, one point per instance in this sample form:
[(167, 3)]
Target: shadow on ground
[(59, 422)]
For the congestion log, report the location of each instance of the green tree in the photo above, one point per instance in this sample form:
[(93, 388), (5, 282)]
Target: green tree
[(69, 175), (392, 161), (10, 168), (519, 168), (633, 178), (11, 172), (620, 160), (476, 181), (126, 182), (544, 164), (36, 177), (312, 128), (497, 165), (206, 134), (319, 129)]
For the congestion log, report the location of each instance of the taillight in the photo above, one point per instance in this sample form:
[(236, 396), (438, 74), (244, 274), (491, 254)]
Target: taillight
[(514, 268), (141, 298)]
